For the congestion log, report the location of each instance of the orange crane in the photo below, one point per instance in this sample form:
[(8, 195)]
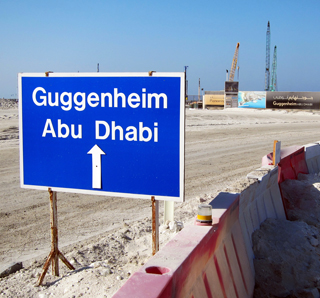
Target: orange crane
[(234, 63)]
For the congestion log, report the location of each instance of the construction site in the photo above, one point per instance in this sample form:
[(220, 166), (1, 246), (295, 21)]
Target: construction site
[(270, 97), (219, 199)]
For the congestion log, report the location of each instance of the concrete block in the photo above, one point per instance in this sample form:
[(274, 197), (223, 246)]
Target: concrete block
[(199, 289), (212, 278), (268, 202), (247, 238), (247, 196), (221, 203), (245, 257), (312, 165), (254, 216), (249, 228), (259, 173), (261, 208), (234, 267), (223, 268), (277, 201), (312, 150), (273, 177), (262, 185)]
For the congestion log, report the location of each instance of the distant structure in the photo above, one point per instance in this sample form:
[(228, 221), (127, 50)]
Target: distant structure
[(186, 85), (267, 73), (274, 83), (234, 63)]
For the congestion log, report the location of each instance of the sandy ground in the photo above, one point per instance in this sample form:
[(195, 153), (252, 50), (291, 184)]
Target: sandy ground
[(107, 238)]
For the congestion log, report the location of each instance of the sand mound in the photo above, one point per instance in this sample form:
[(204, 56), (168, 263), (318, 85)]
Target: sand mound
[(287, 251)]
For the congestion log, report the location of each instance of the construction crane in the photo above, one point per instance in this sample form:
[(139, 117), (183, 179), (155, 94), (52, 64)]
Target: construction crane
[(234, 63), (267, 73), (274, 83)]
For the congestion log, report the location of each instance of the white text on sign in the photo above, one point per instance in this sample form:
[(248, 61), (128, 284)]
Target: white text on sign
[(80, 100), (103, 130)]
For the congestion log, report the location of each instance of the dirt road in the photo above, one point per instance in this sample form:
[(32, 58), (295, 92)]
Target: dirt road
[(222, 146)]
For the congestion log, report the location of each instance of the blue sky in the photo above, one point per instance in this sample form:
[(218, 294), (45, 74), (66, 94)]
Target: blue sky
[(165, 36)]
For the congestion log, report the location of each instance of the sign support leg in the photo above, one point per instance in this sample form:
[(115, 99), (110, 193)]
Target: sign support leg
[(155, 225), (168, 211), (54, 254)]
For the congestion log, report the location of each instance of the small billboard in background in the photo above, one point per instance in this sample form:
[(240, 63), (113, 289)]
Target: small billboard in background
[(214, 98), (252, 99), (293, 100)]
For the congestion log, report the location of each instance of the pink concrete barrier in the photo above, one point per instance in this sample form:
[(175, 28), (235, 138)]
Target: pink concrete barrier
[(292, 165), (268, 159), (261, 200), (312, 155), (210, 261), (199, 262)]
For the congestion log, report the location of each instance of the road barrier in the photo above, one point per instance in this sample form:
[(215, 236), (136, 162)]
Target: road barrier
[(261, 200), (312, 156), (217, 261), (292, 165)]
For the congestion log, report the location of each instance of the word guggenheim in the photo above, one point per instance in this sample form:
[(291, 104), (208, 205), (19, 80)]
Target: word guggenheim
[(80, 100), (103, 130)]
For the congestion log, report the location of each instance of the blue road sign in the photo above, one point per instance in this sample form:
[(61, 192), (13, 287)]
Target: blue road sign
[(115, 134)]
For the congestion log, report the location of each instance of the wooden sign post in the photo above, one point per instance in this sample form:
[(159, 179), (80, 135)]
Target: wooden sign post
[(55, 254), (155, 226)]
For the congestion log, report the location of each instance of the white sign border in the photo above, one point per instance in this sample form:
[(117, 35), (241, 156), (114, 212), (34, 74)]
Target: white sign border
[(181, 75)]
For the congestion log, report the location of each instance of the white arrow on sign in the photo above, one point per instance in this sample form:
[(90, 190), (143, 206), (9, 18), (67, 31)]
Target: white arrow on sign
[(96, 153)]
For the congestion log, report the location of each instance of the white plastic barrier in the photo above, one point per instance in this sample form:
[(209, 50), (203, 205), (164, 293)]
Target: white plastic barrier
[(312, 156), (261, 200), (200, 262), (208, 262), (230, 258)]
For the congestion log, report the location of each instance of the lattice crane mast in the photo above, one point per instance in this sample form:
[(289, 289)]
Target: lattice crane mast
[(234, 63), (274, 83), (267, 73)]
